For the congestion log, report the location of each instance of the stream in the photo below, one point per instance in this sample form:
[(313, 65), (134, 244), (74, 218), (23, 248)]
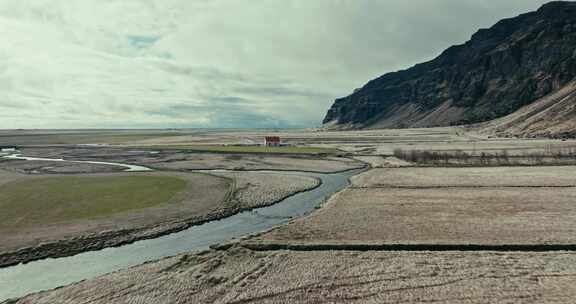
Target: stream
[(23, 279)]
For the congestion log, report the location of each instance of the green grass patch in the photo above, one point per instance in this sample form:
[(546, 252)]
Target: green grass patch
[(55, 199), (247, 149)]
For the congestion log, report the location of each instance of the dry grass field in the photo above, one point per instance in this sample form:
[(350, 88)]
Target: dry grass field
[(263, 189), (485, 206), (494, 216), (242, 276), (555, 176)]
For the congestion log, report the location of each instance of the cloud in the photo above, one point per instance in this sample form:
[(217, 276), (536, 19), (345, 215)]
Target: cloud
[(213, 63)]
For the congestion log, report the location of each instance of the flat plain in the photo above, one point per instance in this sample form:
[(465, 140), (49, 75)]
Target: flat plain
[(494, 216), (551, 176), (396, 202), (257, 189), (243, 276), (44, 208)]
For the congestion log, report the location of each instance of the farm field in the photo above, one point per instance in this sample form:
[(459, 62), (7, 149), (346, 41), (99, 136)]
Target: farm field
[(484, 206), (243, 276), (553, 176), (455, 216)]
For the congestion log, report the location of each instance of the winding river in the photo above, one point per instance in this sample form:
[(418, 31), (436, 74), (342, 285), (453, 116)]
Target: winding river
[(127, 167), (20, 280)]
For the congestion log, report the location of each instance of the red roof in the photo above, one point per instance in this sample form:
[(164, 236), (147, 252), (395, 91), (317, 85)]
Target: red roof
[(272, 138)]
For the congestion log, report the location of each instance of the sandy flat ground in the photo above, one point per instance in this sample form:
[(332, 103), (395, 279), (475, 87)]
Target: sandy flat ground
[(554, 176), (243, 276)]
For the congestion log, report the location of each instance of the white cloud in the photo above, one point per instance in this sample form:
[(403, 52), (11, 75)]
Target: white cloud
[(210, 63)]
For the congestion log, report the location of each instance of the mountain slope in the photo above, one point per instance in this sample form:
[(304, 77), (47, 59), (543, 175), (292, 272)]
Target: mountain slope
[(551, 116), (500, 70)]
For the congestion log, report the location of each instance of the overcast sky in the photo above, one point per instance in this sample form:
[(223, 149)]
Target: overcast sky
[(214, 63)]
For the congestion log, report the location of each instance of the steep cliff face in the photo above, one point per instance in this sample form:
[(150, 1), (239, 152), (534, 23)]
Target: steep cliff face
[(500, 70)]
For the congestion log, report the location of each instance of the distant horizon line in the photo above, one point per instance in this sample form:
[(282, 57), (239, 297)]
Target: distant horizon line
[(146, 129)]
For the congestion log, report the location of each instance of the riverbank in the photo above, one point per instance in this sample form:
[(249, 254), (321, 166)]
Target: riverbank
[(53, 215), (246, 192)]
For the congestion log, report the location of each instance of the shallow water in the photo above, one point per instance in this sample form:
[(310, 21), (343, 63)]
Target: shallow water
[(47, 274), (129, 168)]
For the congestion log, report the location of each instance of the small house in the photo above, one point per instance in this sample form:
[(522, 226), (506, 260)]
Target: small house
[(272, 141)]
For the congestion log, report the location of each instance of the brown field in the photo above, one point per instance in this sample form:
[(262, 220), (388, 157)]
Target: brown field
[(263, 189), (242, 276), (555, 176), (485, 206), (494, 216)]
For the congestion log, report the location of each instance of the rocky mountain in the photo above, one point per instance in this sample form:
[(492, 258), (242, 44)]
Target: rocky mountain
[(498, 71), (551, 116)]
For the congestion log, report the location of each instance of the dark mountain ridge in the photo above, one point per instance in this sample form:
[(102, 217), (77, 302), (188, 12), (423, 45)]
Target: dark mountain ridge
[(498, 71)]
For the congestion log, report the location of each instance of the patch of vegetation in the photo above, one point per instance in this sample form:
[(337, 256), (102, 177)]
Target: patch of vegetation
[(248, 149), (549, 156), (54, 199)]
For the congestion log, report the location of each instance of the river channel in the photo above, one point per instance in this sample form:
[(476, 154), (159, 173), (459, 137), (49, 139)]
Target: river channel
[(23, 279)]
